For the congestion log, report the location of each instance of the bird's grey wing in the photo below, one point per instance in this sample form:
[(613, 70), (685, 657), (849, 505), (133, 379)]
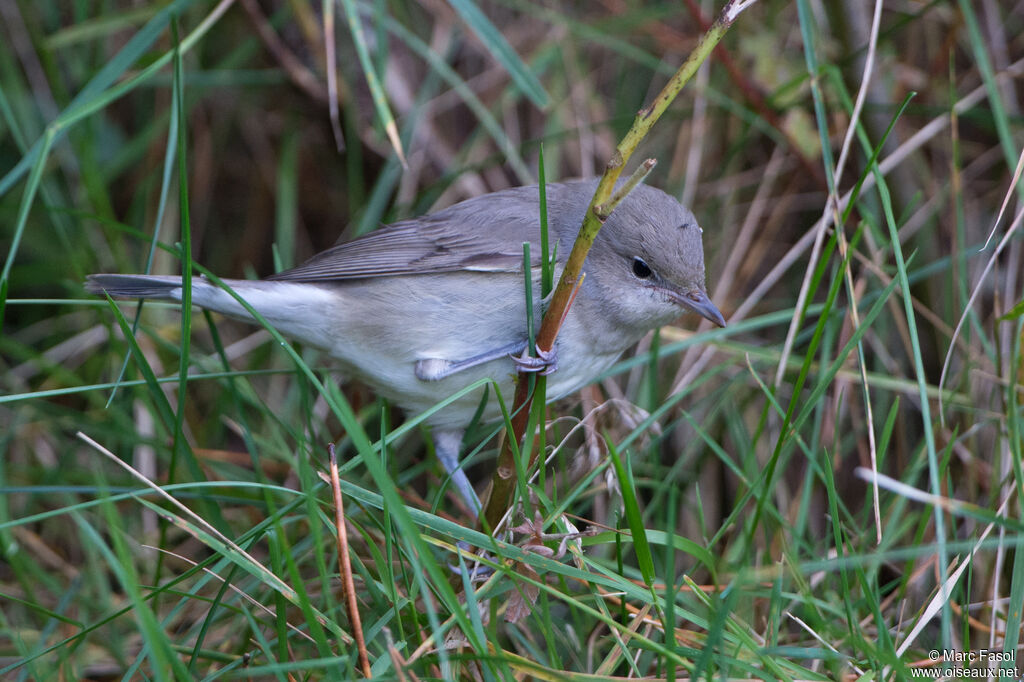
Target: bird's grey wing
[(442, 242)]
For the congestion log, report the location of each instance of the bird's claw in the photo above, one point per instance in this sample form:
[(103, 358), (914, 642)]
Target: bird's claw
[(476, 572), (545, 362)]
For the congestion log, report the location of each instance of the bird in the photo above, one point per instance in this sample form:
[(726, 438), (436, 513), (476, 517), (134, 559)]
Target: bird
[(424, 307)]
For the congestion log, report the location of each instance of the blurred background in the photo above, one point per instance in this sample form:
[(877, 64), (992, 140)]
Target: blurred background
[(840, 355)]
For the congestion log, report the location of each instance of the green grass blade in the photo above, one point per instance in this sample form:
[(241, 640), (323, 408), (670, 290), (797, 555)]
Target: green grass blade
[(380, 101), (634, 517), (491, 37)]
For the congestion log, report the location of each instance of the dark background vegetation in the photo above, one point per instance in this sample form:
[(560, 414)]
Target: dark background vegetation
[(780, 567)]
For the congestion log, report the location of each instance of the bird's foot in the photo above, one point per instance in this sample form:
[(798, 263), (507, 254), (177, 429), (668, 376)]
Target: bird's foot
[(476, 572), (545, 362)]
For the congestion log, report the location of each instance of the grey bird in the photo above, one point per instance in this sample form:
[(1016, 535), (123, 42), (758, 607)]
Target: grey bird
[(424, 307)]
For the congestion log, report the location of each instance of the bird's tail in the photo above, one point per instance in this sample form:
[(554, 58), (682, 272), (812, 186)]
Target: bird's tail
[(160, 287), (303, 311)]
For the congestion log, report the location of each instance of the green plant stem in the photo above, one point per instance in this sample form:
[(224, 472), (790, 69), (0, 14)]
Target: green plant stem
[(601, 206)]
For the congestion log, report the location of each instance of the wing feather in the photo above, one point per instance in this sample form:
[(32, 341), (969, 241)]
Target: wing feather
[(481, 234)]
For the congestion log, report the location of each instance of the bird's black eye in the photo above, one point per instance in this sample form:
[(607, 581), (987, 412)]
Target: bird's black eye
[(641, 269)]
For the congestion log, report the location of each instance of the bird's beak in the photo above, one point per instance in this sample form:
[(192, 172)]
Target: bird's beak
[(698, 302)]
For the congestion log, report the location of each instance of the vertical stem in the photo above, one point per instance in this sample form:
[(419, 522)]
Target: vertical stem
[(601, 206)]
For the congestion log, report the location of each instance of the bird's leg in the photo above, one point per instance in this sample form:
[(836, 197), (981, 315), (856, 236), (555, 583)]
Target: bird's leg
[(447, 443), (435, 369)]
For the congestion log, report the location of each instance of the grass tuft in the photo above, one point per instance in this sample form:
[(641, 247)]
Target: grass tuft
[(830, 487)]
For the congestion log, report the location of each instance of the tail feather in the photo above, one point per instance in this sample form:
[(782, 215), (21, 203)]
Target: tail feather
[(307, 312), (135, 286)]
